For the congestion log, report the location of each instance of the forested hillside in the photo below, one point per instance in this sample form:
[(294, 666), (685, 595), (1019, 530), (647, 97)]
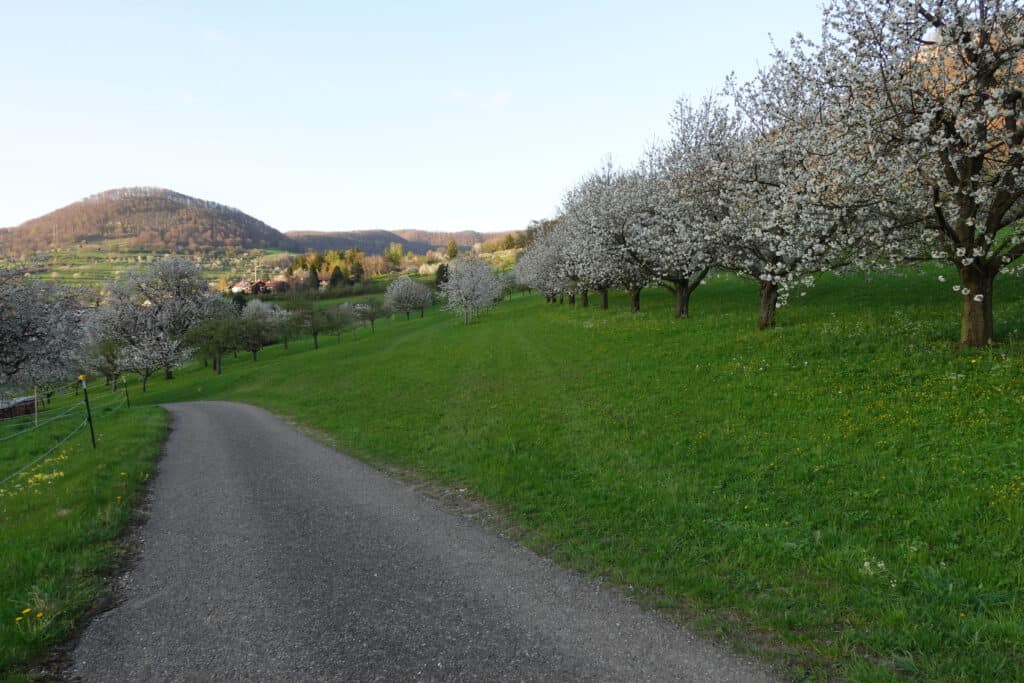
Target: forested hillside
[(376, 241), (151, 218)]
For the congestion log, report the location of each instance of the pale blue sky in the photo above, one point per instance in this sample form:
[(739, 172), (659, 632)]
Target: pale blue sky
[(342, 115)]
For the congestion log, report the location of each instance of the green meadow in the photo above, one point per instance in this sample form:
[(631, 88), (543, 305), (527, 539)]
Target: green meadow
[(63, 508), (843, 495)]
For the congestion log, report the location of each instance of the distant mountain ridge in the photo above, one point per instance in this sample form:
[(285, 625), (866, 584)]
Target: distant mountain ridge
[(375, 241), (156, 219)]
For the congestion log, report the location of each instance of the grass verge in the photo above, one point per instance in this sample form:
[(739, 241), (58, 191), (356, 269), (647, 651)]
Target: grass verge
[(61, 517)]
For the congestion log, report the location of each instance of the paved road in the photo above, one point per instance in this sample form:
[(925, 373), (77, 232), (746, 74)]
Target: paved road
[(268, 556)]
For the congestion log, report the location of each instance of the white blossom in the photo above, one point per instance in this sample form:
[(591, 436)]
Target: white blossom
[(471, 287)]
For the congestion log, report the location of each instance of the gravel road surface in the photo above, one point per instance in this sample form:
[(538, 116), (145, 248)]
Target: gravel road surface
[(268, 556)]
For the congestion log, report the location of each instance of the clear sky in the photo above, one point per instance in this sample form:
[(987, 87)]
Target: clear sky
[(343, 115)]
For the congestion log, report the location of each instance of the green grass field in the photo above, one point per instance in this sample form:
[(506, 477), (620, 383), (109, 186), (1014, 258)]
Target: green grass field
[(844, 494), (63, 507)]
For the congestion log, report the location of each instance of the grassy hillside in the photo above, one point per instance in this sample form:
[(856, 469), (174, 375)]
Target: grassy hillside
[(844, 493)]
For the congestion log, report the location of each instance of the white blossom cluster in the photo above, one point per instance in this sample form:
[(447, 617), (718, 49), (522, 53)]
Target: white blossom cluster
[(896, 137), (142, 323), (471, 287), (39, 339), (406, 295)]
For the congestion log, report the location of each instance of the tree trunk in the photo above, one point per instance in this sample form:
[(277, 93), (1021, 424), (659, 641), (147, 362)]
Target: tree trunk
[(634, 299), (254, 356), (316, 342), (421, 312), (168, 373), (217, 363), (561, 298), (285, 340), (769, 297), (407, 315), (585, 298), (145, 378), (976, 324), (604, 298), (572, 299), (681, 288)]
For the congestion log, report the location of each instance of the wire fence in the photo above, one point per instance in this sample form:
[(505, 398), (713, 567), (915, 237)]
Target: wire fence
[(51, 428), (49, 452), (43, 423)]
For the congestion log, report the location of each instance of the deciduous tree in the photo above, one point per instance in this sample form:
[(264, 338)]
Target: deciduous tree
[(471, 287)]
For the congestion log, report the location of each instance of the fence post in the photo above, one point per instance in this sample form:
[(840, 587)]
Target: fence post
[(88, 410)]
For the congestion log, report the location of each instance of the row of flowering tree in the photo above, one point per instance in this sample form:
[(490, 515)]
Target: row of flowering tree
[(155, 318), (897, 137)]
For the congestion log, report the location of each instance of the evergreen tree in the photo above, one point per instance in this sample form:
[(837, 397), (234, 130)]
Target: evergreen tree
[(441, 276)]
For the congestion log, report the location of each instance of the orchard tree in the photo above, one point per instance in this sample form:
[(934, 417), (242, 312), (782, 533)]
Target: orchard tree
[(680, 241), (471, 287), (542, 266), (218, 332), (793, 203), (174, 294), (139, 328), (312, 319), (38, 328), (372, 309), (100, 349), (599, 218), (150, 354), (934, 94), (259, 325), (406, 295), (342, 317)]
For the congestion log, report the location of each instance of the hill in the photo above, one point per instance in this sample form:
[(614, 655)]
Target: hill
[(148, 218), (376, 241), (159, 220)]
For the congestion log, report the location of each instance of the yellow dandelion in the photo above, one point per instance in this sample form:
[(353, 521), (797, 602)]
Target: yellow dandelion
[(39, 615), (26, 610), (18, 618), (124, 474)]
